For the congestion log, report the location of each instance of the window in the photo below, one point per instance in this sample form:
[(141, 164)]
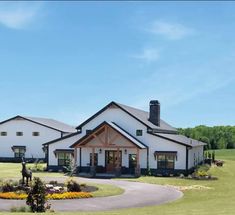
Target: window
[(19, 152), (88, 131), (3, 133), (96, 159), (19, 133), (132, 161), (63, 158), (35, 133), (165, 161), (139, 132)]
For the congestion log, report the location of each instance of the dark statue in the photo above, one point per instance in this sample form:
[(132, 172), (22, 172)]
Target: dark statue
[(26, 173)]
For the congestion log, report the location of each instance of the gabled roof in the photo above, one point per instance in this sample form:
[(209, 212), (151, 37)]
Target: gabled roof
[(140, 115), (49, 123), (118, 129), (61, 138), (181, 139)]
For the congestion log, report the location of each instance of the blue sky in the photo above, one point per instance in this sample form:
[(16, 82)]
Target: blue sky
[(66, 60)]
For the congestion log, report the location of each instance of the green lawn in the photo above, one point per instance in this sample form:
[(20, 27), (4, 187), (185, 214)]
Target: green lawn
[(220, 200), (13, 171)]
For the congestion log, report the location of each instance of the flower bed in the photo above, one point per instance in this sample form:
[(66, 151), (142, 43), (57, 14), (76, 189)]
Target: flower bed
[(69, 195), (54, 196), (12, 195)]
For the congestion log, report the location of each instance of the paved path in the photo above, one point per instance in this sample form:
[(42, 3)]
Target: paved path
[(136, 195)]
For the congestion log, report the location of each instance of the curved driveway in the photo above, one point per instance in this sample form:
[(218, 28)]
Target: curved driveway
[(136, 195)]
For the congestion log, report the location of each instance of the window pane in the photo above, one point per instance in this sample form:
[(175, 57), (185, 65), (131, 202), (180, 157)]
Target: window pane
[(61, 155), (132, 160), (95, 160), (19, 133), (166, 161), (3, 133), (16, 150), (35, 133), (139, 132)]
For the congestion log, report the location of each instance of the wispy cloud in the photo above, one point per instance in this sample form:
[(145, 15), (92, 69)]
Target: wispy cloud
[(172, 31), (176, 84), (148, 55), (18, 15)]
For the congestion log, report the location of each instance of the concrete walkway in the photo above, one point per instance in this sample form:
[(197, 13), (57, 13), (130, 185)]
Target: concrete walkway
[(136, 195)]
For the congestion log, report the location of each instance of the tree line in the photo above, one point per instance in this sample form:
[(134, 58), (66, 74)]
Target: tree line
[(217, 137)]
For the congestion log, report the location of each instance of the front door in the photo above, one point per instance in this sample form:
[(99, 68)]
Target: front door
[(111, 160)]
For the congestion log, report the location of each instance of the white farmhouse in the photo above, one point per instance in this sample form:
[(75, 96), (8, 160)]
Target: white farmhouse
[(22, 136), (120, 139)]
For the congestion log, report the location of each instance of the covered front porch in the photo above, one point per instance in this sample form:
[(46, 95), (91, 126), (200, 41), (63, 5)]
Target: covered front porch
[(108, 150)]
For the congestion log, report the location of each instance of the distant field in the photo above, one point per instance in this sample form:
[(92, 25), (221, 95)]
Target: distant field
[(219, 200), (225, 154)]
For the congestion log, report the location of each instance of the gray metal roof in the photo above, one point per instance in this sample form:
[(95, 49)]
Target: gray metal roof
[(182, 139), (52, 123), (144, 116)]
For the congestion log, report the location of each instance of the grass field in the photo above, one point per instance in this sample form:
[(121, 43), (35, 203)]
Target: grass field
[(219, 200)]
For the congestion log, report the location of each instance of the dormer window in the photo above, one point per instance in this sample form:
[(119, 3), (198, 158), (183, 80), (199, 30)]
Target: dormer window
[(139, 132)]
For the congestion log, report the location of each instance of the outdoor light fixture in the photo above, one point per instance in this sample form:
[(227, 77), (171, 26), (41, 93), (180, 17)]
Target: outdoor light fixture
[(125, 151), (100, 151)]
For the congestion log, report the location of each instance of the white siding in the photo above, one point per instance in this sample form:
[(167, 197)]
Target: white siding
[(62, 144), (195, 156), (33, 143)]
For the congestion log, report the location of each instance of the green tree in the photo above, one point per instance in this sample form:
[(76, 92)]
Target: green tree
[(37, 196)]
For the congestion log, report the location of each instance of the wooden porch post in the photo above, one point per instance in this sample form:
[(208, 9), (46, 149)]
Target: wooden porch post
[(92, 168), (137, 169), (93, 157), (118, 166), (75, 161), (75, 156)]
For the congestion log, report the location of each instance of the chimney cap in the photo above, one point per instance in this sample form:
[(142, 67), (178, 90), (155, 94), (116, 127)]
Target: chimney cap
[(154, 102)]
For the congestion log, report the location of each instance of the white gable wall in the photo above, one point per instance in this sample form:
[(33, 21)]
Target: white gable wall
[(33, 143), (159, 144), (130, 124)]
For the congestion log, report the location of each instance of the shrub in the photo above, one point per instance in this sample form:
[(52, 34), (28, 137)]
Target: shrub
[(8, 186), (37, 166), (202, 171), (73, 186), (37, 196)]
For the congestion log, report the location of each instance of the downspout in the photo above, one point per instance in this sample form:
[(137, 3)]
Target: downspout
[(186, 160), (80, 159), (147, 158)]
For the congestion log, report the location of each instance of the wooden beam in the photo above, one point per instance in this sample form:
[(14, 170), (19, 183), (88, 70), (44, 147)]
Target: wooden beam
[(109, 146), (106, 135), (114, 138), (118, 157), (138, 157), (99, 138)]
